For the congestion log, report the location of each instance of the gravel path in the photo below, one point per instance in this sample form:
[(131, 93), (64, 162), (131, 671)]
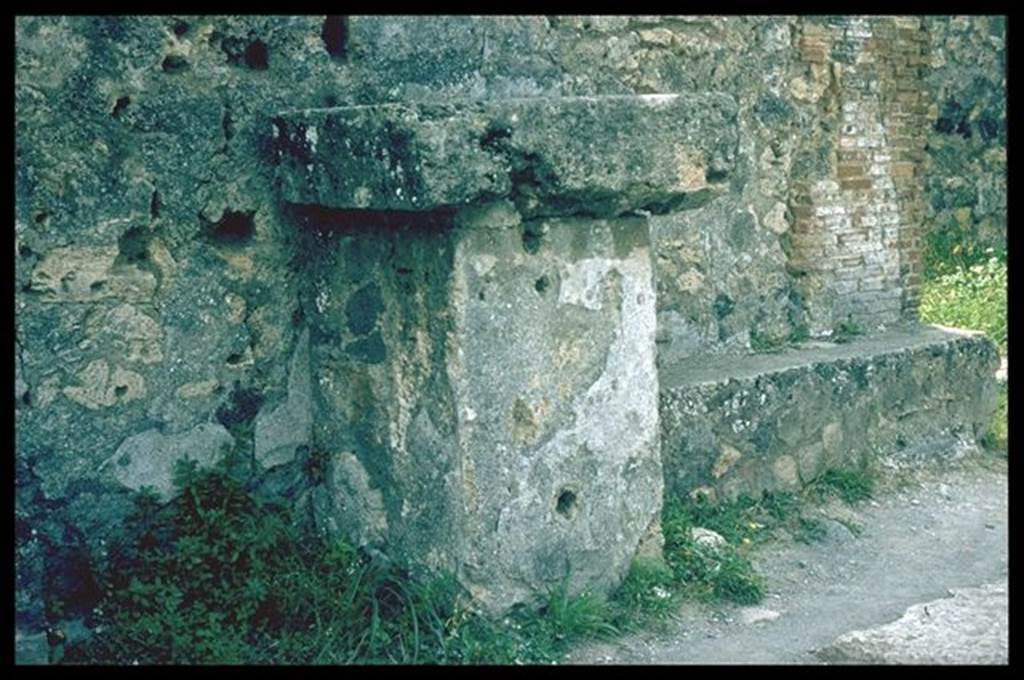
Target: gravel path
[(942, 529)]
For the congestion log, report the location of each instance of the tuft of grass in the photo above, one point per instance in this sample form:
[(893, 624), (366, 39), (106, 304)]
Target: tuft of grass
[(972, 297), (765, 342), (846, 331), (649, 591), (799, 334), (710, 573), (852, 485)]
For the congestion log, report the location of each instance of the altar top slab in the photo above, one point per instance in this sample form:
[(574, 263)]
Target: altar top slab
[(600, 155)]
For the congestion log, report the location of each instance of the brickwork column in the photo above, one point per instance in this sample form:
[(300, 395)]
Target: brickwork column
[(857, 226)]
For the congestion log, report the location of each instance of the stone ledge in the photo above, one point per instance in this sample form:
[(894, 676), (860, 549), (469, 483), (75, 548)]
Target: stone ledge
[(554, 156), (774, 421)]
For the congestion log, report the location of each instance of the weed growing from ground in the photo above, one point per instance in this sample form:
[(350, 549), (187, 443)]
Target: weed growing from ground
[(972, 297), (846, 331), (852, 485), (765, 342), (220, 576), (648, 592), (707, 572)]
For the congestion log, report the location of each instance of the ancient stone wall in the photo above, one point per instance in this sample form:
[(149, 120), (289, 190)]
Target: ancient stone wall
[(964, 82), (166, 296)]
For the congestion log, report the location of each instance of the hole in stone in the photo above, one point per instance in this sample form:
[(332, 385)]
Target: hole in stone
[(41, 217), (335, 36), (97, 285), (120, 105), (25, 251), (496, 138), (480, 296), (234, 359), (154, 205), (532, 240), (174, 63), (542, 284), (566, 503), (181, 28), (26, 398), (227, 124), (233, 227), (713, 175), (256, 55), (133, 246), (120, 390)]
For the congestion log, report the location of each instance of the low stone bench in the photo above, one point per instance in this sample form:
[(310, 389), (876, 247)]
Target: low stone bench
[(483, 320), (742, 425)]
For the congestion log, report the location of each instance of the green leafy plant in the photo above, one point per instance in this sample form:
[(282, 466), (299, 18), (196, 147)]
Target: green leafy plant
[(219, 576), (649, 591), (951, 246), (710, 572), (852, 485), (765, 342), (799, 334), (845, 331), (971, 297)]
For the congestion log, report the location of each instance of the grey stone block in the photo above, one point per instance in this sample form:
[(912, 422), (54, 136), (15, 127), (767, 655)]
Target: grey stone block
[(560, 155), (906, 393), (148, 458)]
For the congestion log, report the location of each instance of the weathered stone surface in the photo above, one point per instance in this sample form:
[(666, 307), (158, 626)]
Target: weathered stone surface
[(563, 155), (555, 392), (100, 387), (281, 431), (965, 180), (88, 274), (512, 437), (772, 421), (969, 627), (129, 331), (148, 458)]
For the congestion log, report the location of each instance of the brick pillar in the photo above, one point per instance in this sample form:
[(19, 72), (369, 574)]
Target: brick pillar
[(857, 232)]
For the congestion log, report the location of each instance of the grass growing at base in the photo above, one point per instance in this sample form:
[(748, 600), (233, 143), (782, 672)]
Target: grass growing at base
[(852, 485), (846, 331), (710, 573), (219, 576)]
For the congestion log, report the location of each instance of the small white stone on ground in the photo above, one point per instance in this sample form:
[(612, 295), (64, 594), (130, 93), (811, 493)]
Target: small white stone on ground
[(707, 538), (751, 615)]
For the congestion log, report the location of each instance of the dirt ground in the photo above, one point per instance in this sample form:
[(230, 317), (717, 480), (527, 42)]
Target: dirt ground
[(925, 532)]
